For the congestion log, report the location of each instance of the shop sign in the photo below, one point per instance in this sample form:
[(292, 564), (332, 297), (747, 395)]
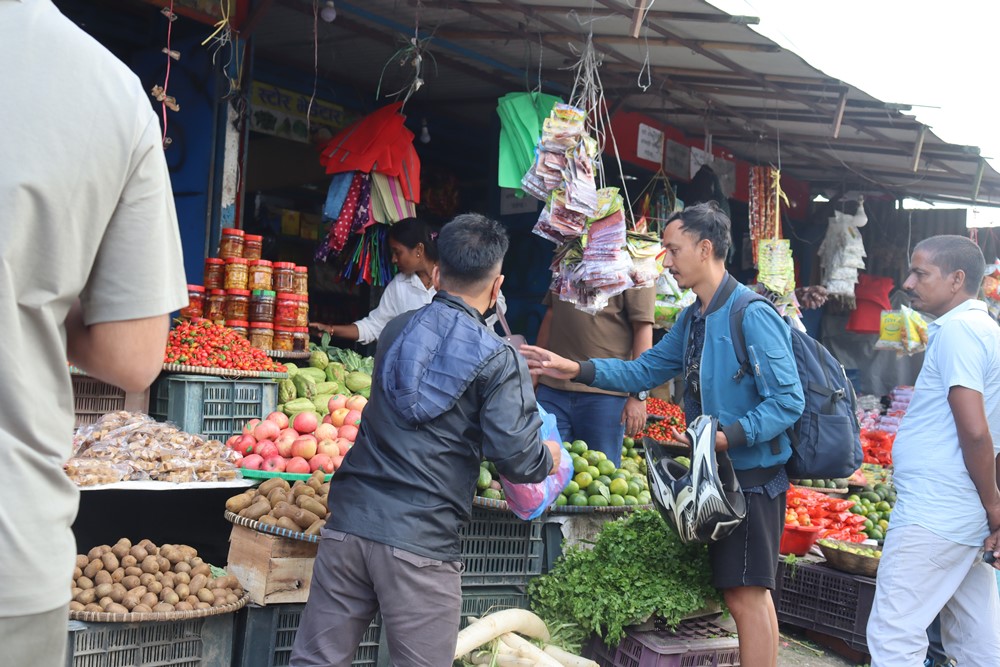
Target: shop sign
[(511, 204), (650, 144), (282, 113)]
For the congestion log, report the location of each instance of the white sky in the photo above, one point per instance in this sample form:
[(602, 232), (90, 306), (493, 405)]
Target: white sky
[(917, 52)]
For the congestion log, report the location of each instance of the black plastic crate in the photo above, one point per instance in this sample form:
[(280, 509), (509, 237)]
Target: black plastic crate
[(820, 598), (212, 406), (500, 549), (695, 643), (200, 642), (478, 601), (265, 636)]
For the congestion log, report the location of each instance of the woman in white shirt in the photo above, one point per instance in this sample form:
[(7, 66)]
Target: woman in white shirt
[(413, 245)]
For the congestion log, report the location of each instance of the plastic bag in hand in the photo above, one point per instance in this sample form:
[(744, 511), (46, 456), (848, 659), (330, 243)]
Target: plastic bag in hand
[(528, 501)]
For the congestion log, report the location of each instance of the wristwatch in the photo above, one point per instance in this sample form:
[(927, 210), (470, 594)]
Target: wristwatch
[(641, 396)]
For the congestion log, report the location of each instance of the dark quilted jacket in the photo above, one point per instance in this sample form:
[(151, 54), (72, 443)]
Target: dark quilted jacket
[(446, 392)]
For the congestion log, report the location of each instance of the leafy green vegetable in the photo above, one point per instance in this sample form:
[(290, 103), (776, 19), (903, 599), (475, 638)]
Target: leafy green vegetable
[(638, 567), (351, 360)]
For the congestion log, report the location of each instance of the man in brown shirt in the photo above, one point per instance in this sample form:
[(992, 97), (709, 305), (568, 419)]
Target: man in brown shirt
[(623, 330)]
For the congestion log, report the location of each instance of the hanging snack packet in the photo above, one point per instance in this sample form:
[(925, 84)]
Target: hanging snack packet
[(914, 332), (890, 336)]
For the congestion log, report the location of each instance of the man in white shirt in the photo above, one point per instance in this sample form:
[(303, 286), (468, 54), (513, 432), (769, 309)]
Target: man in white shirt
[(946, 459), (90, 268)]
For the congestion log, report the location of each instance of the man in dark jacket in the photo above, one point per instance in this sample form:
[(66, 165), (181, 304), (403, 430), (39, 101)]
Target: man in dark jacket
[(447, 392)]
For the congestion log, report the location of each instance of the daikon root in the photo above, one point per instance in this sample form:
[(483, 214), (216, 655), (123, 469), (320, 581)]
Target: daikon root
[(528, 650), (513, 661), (567, 659), (492, 626)]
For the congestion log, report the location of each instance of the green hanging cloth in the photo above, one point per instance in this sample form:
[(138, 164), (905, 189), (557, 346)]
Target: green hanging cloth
[(521, 118)]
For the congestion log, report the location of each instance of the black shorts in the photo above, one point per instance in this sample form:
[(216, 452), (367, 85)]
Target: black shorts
[(749, 555)]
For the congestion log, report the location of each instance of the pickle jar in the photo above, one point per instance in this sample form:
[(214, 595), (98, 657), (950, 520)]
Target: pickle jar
[(283, 339), (238, 304), (284, 277), (302, 319), (231, 244), (301, 280), (252, 246), (196, 303), (237, 273), (215, 306), (215, 273), (260, 275), (239, 327), (286, 310), (300, 339), (262, 304), (262, 335)]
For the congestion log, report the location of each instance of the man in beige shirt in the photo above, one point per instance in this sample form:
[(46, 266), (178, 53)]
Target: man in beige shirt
[(623, 330)]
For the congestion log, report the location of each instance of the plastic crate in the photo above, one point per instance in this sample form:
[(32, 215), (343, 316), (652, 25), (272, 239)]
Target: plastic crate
[(265, 636), (211, 406), (93, 398), (500, 549), (479, 601), (695, 643), (200, 642), (817, 597)]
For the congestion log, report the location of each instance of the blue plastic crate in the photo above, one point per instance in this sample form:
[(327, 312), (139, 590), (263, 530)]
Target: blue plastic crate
[(499, 549), (210, 406), (478, 601), (265, 636), (200, 642)]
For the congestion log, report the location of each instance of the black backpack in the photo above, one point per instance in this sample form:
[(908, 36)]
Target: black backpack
[(826, 440)]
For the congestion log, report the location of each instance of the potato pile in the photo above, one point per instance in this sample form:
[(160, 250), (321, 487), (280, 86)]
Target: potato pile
[(139, 578), (300, 508)]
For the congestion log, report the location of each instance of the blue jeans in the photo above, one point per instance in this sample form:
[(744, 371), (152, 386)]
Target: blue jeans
[(594, 418)]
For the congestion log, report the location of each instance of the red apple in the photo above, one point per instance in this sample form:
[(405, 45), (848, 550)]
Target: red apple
[(337, 462), (344, 445), (298, 465), (266, 449), (337, 401), (304, 447), (327, 448), (321, 461), (266, 430), (274, 464), (289, 431), (279, 418), (305, 422), (327, 420), (284, 446), (353, 417), (337, 416), (245, 445), (252, 462), (326, 432), (349, 432), (250, 426), (356, 403), (233, 441)]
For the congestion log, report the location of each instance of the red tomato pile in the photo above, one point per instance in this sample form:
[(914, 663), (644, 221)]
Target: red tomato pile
[(877, 446), (806, 507), (204, 343), (672, 415)]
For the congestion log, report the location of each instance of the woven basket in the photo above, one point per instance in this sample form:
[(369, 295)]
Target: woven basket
[(269, 529), (288, 354), (227, 373), (104, 617), (574, 509), (848, 562)]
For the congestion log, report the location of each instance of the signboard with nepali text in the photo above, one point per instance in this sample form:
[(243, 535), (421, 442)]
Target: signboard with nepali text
[(282, 113)]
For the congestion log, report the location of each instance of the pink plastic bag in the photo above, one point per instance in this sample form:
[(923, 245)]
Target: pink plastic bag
[(528, 501)]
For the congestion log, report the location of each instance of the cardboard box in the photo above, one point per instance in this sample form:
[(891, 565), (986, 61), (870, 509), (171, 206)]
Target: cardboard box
[(272, 569)]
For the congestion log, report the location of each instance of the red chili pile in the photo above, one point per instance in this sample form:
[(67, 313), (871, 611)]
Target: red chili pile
[(806, 507), (672, 415), (204, 343), (877, 446)]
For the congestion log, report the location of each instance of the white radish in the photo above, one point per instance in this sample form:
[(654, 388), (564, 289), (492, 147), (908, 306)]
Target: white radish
[(526, 649), (567, 659), (492, 626), (513, 661)]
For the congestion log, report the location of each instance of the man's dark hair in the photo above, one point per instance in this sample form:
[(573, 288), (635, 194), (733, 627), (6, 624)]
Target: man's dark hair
[(470, 248), (411, 232), (951, 253), (709, 223)]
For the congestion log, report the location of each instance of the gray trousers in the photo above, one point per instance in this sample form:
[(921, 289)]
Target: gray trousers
[(38, 640), (353, 578)]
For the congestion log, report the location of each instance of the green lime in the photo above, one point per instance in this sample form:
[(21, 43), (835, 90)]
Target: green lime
[(597, 501), (594, 471), (616, 500), (634, 489), (856, 509), (579, 447), (568, 446), (877, 535), (492, 494), (606, 467), (601, 456), (605, 480), (869, 525), (583, 479), (579, 464), (597, 488), (883, 506), (592, 457), (578, 500), (618, 487), (561, 500), (571, 488), (621, 474), (883, 525), (628, 442), (484, 479), (631, 500), (644, 498)]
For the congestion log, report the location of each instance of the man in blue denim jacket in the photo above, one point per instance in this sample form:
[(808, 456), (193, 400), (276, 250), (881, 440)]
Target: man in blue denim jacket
[(754, 414)]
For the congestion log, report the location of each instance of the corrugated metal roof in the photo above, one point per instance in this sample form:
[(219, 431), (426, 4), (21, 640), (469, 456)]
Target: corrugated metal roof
[(707, 70)]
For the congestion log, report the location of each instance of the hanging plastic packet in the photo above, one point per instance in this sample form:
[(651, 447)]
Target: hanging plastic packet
[(890, 336), (914, 338)]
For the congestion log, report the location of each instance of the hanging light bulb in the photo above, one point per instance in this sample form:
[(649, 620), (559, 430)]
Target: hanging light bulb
[(329, 12), (425, 135)]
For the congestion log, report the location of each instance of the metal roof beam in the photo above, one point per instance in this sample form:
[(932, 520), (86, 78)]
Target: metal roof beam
[(663, 14), (611, 40)]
